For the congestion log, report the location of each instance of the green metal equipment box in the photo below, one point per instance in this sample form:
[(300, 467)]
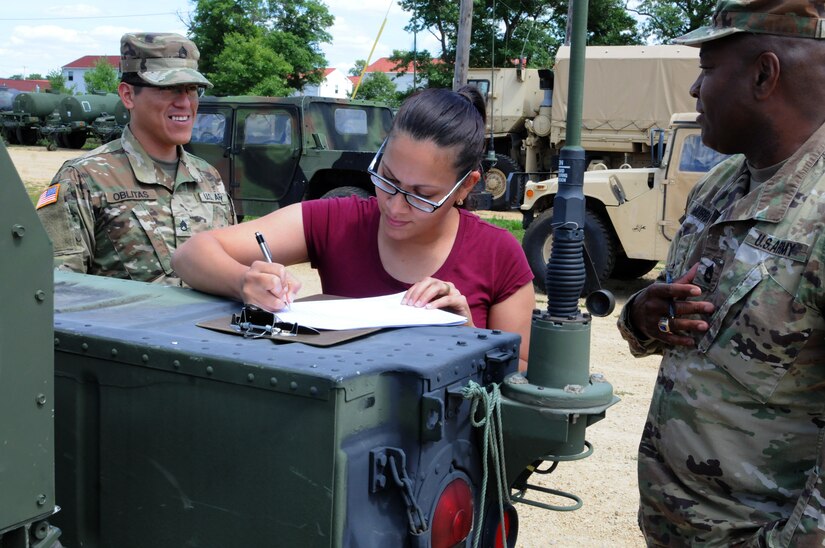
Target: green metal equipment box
[(173, 435)]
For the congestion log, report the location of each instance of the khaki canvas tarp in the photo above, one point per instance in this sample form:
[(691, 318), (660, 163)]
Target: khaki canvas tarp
[(628, 89)]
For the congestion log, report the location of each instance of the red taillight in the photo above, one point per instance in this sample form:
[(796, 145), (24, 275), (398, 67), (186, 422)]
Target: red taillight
[(499, 543), (453, 517), (493, 526)]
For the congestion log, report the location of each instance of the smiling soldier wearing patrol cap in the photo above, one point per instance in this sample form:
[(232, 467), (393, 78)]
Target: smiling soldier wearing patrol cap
[(123, 208), (732, 452)]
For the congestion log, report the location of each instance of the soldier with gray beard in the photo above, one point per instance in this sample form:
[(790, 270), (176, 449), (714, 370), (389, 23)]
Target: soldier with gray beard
[(732, 450), (123, 208)]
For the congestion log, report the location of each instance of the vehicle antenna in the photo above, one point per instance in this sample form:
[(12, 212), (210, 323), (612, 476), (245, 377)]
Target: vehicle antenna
[(372, 50)]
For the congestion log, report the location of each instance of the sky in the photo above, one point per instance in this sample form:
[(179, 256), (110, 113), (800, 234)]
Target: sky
[(38, 36)]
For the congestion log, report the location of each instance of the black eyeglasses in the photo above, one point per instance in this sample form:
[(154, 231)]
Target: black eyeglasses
[(194, 91), (418, 202)]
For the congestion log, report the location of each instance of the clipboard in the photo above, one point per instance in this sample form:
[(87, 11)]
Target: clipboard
[(284, 333)]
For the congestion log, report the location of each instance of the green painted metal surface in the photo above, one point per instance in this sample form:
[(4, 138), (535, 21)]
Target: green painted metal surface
[(173, 435), (85, 108), (37, 104), (26, 358)]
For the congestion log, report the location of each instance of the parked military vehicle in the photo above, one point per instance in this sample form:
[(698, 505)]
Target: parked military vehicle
[(7, 95), (126, 424), (76, 116), (275, 151), (632, 214), (629, 90), (109, 126), (30, 111)]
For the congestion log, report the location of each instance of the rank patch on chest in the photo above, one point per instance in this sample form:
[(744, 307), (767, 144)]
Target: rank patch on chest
[(700, 213), (788, 249), (213, 197), (125, 195)]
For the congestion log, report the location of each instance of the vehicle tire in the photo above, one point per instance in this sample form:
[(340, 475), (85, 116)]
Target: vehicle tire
[(598, 239), (629, 269), (26, 136), (11, 136), (75, 140), (344, 191), (495, 180)]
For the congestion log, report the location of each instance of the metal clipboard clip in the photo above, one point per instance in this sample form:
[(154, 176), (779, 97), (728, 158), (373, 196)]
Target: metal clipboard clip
[(254, 323)]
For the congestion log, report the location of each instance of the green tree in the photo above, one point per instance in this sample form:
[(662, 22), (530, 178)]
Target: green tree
[(609, 24), (503, 32), (16, 77), (377, 86), (358, 67), (248, 66), (103, 77), (291, 32), (57, 81), (35, 76), (215, 20), (667, 20), (429, 72)]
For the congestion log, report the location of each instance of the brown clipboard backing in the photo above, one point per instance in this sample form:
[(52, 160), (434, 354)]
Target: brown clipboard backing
[(323, 338)]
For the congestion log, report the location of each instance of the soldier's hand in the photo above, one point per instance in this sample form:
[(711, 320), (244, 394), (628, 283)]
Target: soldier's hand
[(662, 312), (269, 285), (434, 293)]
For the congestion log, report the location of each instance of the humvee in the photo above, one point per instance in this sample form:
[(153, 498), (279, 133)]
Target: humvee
[(275, 151), (632, 214)]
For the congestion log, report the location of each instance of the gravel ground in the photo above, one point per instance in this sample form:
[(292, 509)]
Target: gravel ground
[(606, 481)]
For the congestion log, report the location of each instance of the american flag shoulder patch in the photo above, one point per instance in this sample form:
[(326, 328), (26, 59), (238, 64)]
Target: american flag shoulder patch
[(49, 196)]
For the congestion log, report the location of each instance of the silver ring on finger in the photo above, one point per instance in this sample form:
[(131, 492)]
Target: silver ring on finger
[(664, 324)]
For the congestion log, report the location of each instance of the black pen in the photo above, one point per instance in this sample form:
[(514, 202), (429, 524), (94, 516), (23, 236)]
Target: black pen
[(671, 307), (268, 256)]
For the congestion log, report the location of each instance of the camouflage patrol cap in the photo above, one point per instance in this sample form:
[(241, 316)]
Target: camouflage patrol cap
[(161, 58), (799, 18)]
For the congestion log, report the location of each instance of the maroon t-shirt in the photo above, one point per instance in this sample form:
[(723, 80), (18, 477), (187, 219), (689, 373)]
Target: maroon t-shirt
[(486, 263)]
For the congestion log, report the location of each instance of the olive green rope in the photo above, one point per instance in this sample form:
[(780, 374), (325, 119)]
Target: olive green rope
[(493, 444)]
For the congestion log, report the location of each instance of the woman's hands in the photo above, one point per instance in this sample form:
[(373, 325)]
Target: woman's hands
[(269, 285), (434, 293)]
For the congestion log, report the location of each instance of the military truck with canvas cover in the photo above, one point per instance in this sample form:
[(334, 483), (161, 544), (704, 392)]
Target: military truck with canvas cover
[(126, 423), (275, 151), (628, 91), (631, 214)]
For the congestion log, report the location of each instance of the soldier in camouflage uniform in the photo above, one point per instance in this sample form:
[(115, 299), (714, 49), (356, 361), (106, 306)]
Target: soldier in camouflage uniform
[(122, 209), (732, 451)]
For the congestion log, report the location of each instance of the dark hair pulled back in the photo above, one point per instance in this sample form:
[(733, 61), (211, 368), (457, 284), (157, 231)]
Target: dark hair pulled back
[(448, 118)]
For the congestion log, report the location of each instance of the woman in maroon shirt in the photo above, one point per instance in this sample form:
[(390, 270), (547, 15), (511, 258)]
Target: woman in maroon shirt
[(413, 236)]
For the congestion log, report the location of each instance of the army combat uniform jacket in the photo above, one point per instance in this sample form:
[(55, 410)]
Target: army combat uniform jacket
[(732, 450), (113, 212)]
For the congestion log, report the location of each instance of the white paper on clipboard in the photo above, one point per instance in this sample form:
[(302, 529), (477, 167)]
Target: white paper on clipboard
[(385, 311)]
